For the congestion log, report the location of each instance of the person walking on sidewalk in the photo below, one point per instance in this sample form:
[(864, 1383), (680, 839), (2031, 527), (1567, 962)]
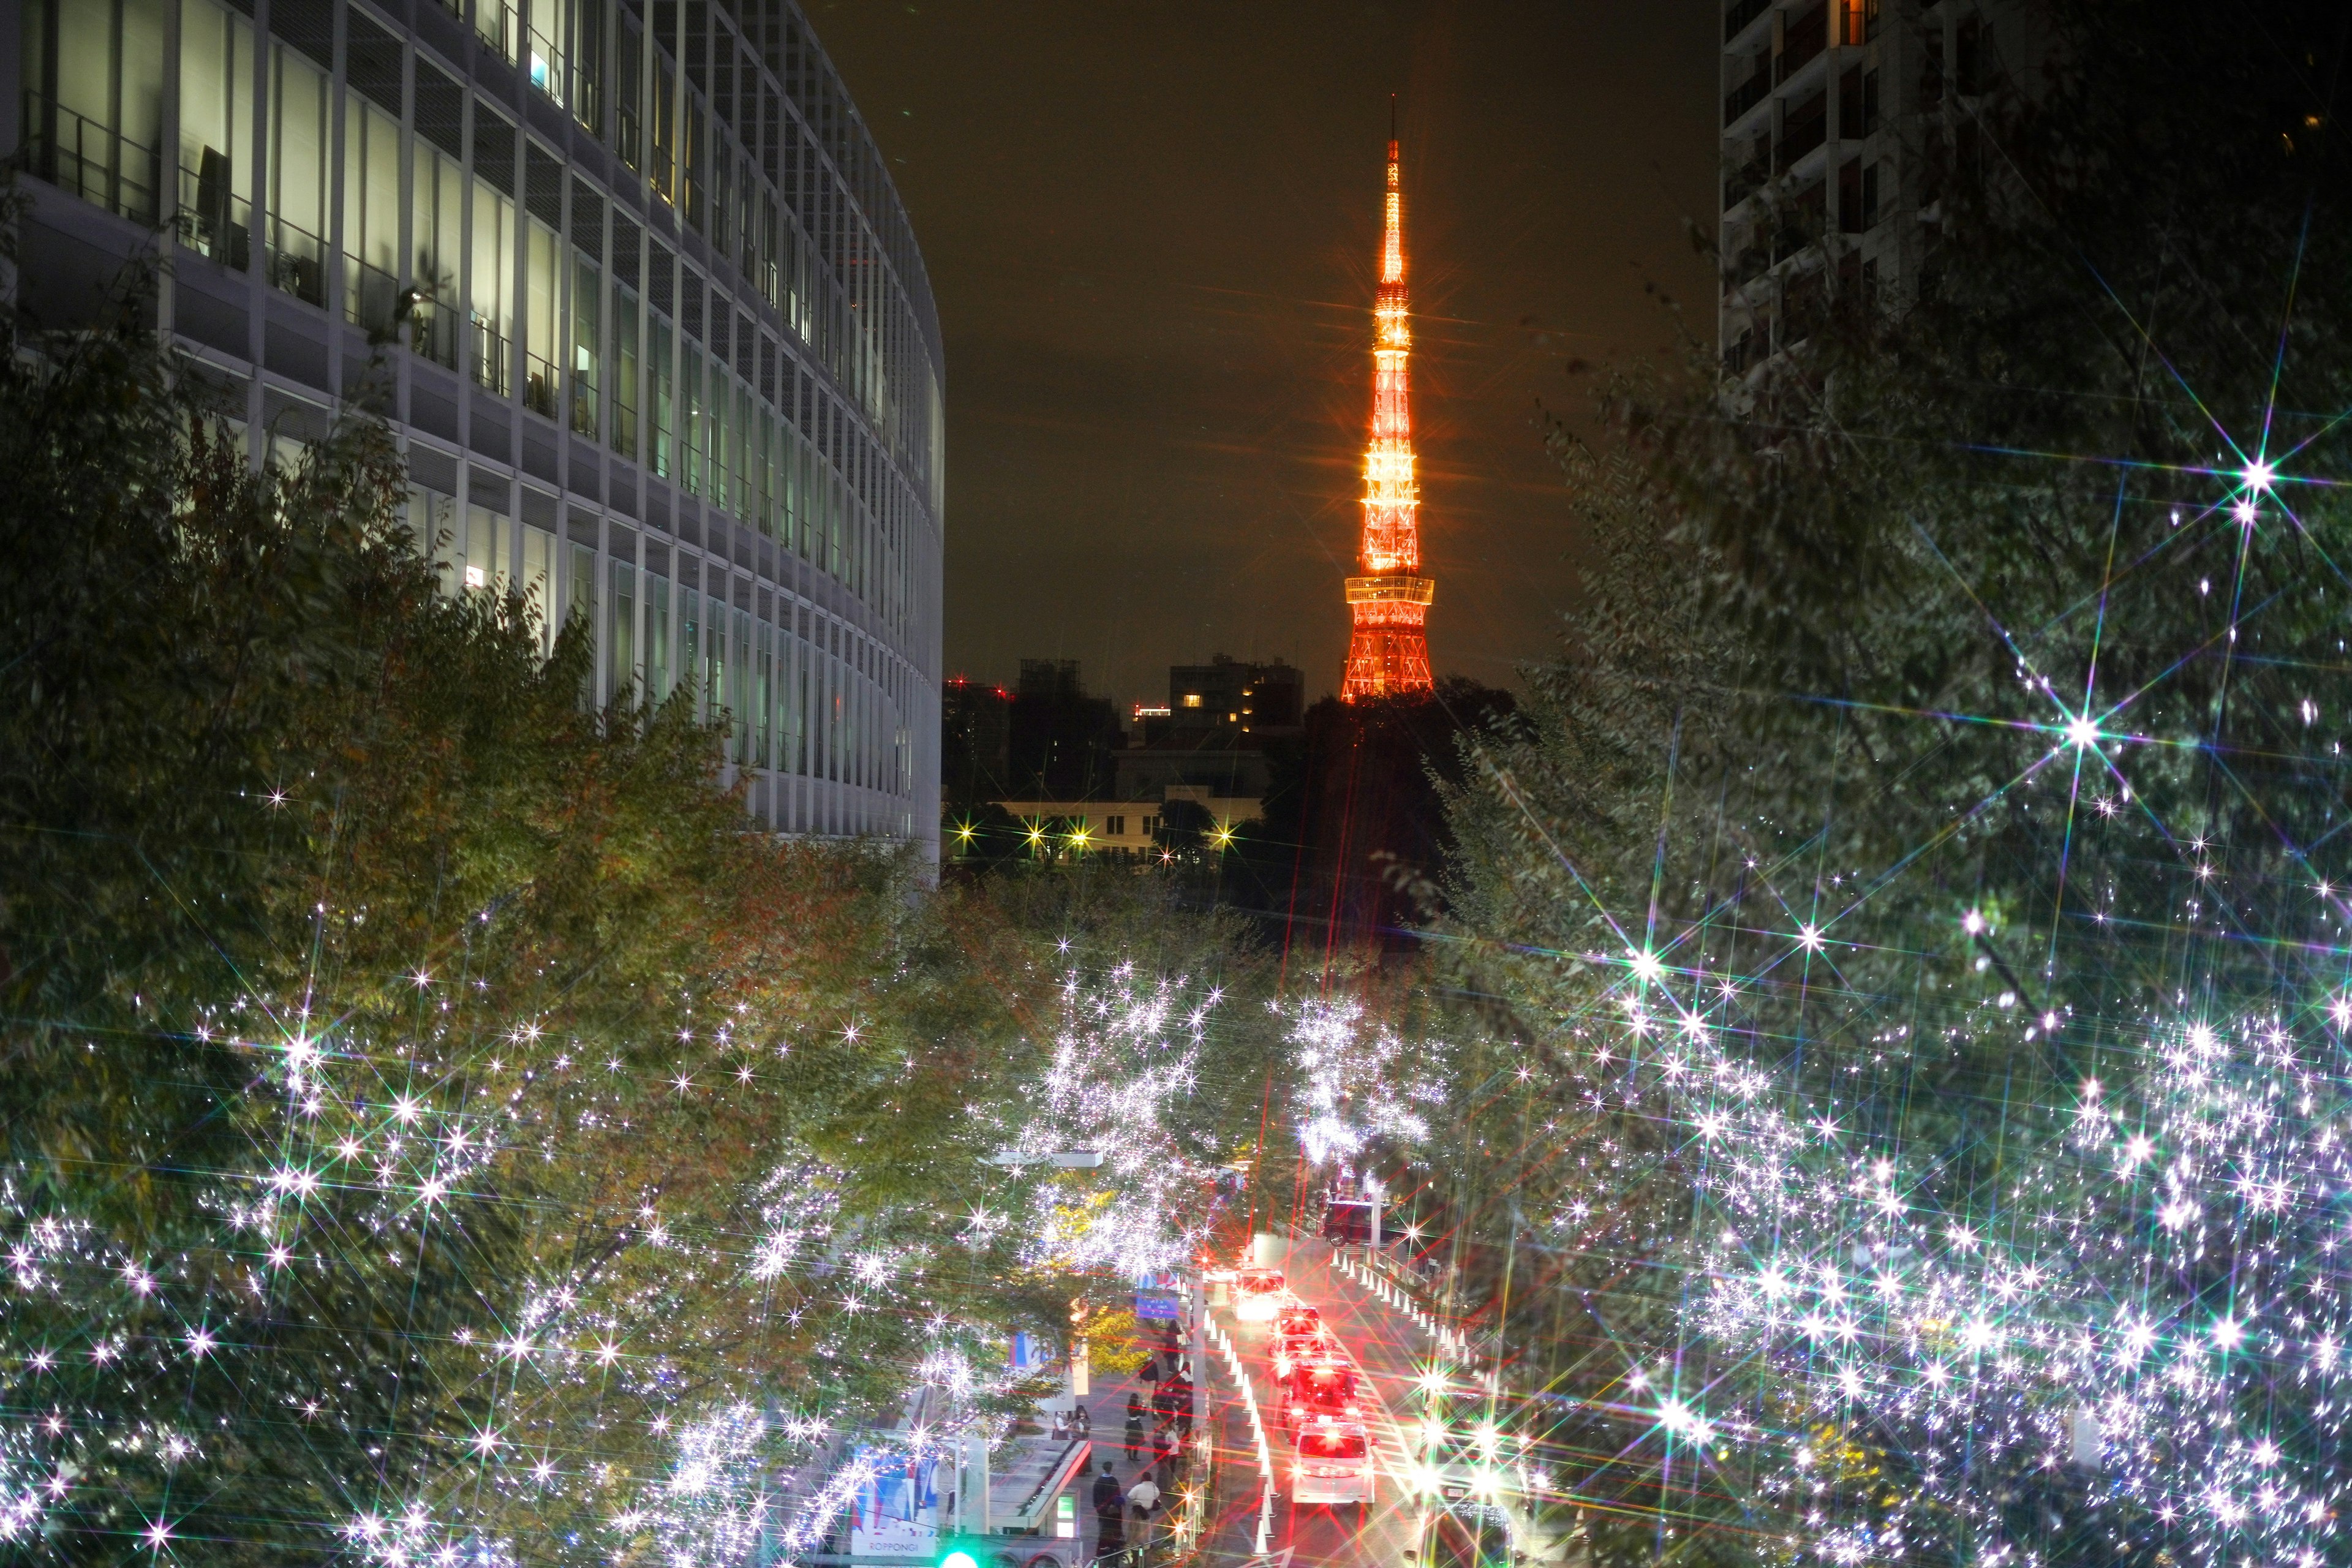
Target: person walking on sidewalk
[(1110, 1530), (1106, 1486), (1134, 1425)]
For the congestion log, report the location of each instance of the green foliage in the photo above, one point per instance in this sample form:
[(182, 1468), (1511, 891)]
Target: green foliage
[(431, 1115), (1839, 622)]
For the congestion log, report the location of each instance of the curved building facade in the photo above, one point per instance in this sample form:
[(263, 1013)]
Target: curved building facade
[(633, 283)]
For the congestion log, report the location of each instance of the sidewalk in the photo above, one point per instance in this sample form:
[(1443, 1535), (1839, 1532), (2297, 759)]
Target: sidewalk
[(1106, 1412)]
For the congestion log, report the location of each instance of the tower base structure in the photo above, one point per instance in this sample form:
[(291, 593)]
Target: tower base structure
[(1388, 655)]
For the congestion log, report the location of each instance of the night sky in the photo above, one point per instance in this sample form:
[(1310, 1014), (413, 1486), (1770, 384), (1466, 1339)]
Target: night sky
[(1152, 232)]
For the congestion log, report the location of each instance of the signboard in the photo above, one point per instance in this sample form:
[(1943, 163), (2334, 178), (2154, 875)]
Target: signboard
[(1156, 1306)]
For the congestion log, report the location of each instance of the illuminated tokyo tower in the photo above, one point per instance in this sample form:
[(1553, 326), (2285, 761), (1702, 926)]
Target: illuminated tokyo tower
[(1388, 655)]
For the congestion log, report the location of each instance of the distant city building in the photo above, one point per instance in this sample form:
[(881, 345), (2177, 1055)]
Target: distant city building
[(1840, 117), (1388, 650), (1192, 771), (1225, 701), (628, 278), (975, 741), (1064, 743)]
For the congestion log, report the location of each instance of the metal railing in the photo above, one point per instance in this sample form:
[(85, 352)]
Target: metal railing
[(490, 358), (1799, 137), (103, 167), (499, 24), (1802, 40), (213, 221), (583, 408), (1735, 20), (370, 295), (1746, 96), (295, 262), (546, 74), (433, 332), (1745, 181), (538, 385)]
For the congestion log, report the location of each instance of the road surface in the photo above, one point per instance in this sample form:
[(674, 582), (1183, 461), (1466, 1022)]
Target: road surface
[(1390, 1351)]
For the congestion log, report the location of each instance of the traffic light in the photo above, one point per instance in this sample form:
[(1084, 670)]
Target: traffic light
[(956, 1553)]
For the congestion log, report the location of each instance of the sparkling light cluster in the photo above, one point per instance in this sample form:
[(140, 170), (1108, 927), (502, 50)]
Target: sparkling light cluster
[(628, 1314), (1357, 1080)]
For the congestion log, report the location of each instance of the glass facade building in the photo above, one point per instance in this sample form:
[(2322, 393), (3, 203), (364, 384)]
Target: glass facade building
[(630, 278)]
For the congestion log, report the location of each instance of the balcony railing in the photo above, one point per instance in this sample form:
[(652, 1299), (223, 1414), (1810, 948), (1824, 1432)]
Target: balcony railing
[(1735, 20), (501, 26), (295, 262), (433, 332), (1804, 39), (370, 295), (538, 385), (1746, 96), (1800, 136), (546, 74), (490, 357), (583, 407), (1746, 180), (213, 221), (103, 167)]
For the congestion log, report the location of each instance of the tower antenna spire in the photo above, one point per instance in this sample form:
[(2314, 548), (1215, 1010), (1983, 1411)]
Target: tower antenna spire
[(1387, 653)]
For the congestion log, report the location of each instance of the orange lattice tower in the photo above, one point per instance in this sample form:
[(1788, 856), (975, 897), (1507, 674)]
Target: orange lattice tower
[(1388, 653)]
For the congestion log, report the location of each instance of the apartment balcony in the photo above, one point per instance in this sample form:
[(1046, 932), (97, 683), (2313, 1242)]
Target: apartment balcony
[(1742, 15), (1746, 96), (1802, 41), (101, 166)]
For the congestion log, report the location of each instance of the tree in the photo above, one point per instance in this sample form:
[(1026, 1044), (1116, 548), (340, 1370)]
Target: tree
[(1974, 758), (435, 1124)]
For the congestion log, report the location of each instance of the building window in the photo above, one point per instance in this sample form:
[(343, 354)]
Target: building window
[(437, 203), (628, 129), (216, 134), (587, 344), (370, 214), (624, 371), (96, 129), (298, 176)]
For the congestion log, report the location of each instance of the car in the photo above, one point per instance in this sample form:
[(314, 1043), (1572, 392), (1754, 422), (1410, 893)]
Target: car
[(1297, 1317), (1289, 1351), (1331, 1462), (1325, 1386), (1259, 1294)]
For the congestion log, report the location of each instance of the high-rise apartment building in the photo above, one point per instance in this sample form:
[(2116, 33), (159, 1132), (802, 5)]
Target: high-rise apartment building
[(632, 283), (1841, 119)]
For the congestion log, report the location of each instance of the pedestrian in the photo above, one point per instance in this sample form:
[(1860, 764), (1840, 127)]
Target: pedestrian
[(1110, 1531), (1106, 1487), (1082, 1422), (1180, 1395), (1134, 1425), (1144, 1496), (1061, 1426)]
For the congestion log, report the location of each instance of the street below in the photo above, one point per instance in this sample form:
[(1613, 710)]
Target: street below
[(1390, 1351)]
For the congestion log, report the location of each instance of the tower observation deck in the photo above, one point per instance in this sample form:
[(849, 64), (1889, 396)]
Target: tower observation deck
[(1388, 652)]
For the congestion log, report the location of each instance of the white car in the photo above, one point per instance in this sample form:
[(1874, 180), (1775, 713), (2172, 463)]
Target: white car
[(1331, 1463)]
